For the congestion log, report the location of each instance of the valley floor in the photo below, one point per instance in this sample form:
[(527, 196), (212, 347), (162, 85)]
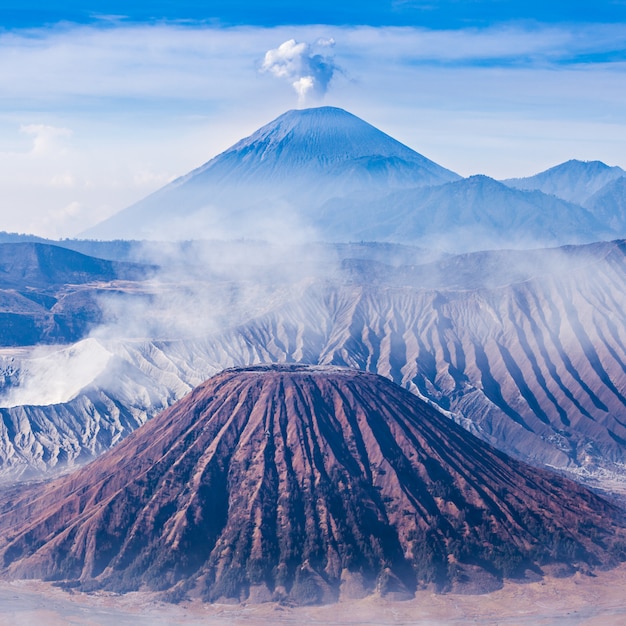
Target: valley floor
[(575, 601)]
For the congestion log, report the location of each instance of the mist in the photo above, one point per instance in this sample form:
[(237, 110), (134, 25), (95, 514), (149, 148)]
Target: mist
[(239, 275), (54, 375), (195, 291)]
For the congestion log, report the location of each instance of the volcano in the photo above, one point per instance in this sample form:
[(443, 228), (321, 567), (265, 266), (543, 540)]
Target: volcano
[(277, 177), (304, 484)]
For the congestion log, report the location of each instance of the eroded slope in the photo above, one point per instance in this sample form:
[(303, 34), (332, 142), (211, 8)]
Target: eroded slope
[(303, 483)]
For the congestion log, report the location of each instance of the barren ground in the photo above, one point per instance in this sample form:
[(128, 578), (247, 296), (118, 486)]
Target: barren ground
[(575, 601)]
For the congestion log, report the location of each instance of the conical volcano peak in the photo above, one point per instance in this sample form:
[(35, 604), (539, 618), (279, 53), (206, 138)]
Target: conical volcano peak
[(303, 484), (311, 155), (291, 166), (327, 134)]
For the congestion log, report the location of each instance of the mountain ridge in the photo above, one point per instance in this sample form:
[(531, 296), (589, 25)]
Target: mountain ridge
[(523, 348), (609, 203), (323, 174), (573, 180), (470, 214)]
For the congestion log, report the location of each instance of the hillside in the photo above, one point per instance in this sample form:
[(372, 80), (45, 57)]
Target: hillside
[(304, 484)]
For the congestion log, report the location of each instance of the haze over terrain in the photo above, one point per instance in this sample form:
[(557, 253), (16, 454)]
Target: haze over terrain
[(481, 335), (320, 365), (500, 89), (524, 348)]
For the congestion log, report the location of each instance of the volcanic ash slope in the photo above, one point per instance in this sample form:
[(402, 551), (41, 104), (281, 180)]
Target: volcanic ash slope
[(303, 484)]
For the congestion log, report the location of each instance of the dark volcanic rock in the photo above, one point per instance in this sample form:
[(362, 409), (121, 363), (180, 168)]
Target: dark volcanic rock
[(303, 483)]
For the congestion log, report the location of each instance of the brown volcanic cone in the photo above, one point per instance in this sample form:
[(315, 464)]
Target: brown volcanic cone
[(302, 483)]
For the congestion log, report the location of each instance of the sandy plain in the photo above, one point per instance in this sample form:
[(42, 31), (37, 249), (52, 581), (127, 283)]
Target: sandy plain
[(574, 601)]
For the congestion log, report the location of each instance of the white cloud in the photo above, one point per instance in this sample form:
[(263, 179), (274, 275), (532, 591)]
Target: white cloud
[(148, 179), (53, 67), (72, 210), (51, 375)]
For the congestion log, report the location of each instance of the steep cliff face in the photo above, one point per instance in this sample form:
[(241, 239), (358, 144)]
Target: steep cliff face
[(49, 294), (303, 483)]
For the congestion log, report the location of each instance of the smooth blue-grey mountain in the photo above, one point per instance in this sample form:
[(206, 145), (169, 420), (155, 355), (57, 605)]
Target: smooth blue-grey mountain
[(276, 178), (469, 214), (575, 181), (323, 174), (609, 204)]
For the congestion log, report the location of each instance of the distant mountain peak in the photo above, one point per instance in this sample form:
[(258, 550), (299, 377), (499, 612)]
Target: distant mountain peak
[(574, 180), (324, 174), (289, 167), (324, 140)]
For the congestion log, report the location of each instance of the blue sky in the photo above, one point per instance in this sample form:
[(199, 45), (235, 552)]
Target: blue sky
[(423, 13), (103, 102)]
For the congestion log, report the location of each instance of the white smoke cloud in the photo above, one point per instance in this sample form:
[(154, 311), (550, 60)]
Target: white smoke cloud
[(308, 72), (52, 375)]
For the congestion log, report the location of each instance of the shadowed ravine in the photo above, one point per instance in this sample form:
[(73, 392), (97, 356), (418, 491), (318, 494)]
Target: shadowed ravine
[(306, 484)]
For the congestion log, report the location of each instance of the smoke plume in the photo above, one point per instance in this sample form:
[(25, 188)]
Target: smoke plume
[(308, 71)]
